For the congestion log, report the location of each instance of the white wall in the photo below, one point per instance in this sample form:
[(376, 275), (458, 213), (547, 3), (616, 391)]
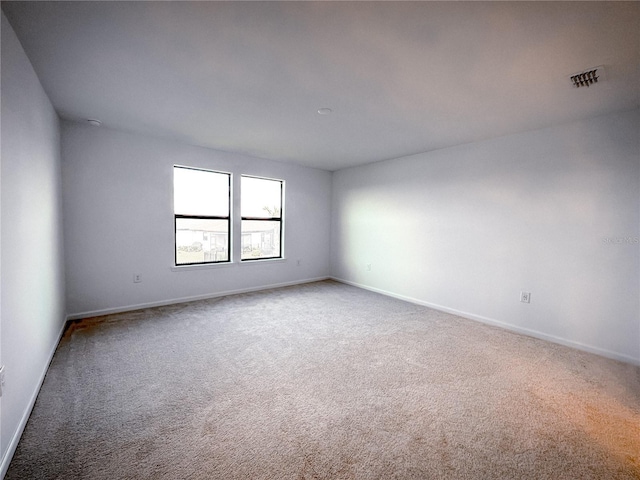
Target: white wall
[(118, 204), (467, 228), (32, 307)]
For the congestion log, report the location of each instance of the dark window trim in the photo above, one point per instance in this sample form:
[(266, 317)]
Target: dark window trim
[(176, 216), (201, 217), (265, 219)]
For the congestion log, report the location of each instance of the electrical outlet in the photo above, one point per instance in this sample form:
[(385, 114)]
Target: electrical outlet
[(525, 297), (137, 278)]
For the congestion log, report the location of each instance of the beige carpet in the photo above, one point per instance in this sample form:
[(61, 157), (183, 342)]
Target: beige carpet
[(325, 381)]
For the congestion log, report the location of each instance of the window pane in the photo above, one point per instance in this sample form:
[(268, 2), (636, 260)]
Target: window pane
[(200, 192), (199, 241), (260, 239), (261, 198)]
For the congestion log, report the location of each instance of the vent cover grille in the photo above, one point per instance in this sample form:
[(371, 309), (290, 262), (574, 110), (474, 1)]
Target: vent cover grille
[(588, 77)]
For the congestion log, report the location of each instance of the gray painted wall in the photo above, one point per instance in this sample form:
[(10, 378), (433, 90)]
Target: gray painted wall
[(118, 204), (32, 307), (554, 212)]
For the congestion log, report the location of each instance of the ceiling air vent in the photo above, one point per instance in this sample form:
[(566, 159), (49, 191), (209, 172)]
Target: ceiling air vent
[(588, 77)]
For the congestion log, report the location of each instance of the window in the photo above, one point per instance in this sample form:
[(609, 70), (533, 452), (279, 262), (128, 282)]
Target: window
[(201, 206), (261, 210)]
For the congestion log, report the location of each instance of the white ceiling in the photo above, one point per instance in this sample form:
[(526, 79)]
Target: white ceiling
[(400, 77)]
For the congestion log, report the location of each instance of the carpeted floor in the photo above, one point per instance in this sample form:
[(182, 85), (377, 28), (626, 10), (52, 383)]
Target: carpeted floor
[(324, 381)]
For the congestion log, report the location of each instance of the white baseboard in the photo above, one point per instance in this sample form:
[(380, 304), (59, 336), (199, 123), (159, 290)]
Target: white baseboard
[(173, 301), (497, 323), (15, 439)]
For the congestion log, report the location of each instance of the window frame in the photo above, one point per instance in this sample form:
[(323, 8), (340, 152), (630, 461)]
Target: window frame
[(279, 219), (228, 218)]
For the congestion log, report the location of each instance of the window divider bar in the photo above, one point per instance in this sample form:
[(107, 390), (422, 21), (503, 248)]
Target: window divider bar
[(201, 217)]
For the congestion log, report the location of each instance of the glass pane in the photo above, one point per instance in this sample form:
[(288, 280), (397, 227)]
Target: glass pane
[(260, 239), (261, 198), (199, 241), (200, 192)]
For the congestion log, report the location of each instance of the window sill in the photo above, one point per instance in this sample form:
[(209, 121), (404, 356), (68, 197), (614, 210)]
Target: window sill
[(203, 266), (207, 266), (263, 260)]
